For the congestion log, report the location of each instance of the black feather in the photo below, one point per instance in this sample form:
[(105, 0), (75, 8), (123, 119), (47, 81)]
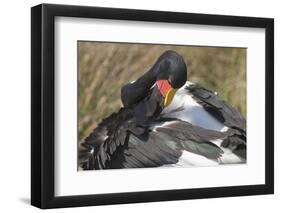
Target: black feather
[(193, 139), (217, 107)]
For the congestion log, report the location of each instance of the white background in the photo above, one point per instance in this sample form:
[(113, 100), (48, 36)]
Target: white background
[(70, 182), (15, 106)]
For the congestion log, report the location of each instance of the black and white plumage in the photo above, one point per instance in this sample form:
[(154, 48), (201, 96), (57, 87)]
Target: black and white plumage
[(204, 108), (197, 129)]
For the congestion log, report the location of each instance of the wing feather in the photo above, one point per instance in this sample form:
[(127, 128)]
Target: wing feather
[(221, 110), (193, 138)]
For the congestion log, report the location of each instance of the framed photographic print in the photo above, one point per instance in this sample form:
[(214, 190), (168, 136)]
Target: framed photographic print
[(140, 106)]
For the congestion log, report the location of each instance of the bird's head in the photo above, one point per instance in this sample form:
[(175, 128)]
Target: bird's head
[(168, 73), (171, 74)]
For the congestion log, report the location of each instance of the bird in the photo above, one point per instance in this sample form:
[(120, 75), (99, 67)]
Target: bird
[(166, 121)]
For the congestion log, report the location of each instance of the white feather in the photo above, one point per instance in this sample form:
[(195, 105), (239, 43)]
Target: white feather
[(188, 159), (185, 107), (229, 157)]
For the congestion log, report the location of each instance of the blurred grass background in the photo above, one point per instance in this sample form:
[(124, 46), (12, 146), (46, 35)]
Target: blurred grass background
[(105, 67)]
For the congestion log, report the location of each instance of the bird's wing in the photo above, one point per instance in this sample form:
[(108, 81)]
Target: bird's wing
[(228, 115), (221, 110), (164, 144), (144, 151), (193, 138), (118, 143), (96, 150), (157, 144)]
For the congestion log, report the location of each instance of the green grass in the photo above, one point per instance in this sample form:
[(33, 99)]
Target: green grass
[(105, 67)]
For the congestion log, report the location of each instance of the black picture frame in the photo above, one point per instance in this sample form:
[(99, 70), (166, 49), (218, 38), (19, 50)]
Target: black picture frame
[(43, 117)]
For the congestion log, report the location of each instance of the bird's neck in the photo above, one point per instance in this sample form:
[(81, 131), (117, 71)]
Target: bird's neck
[(134, 92)]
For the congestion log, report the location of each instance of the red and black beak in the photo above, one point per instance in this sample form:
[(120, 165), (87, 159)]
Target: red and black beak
[(166, 91)]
